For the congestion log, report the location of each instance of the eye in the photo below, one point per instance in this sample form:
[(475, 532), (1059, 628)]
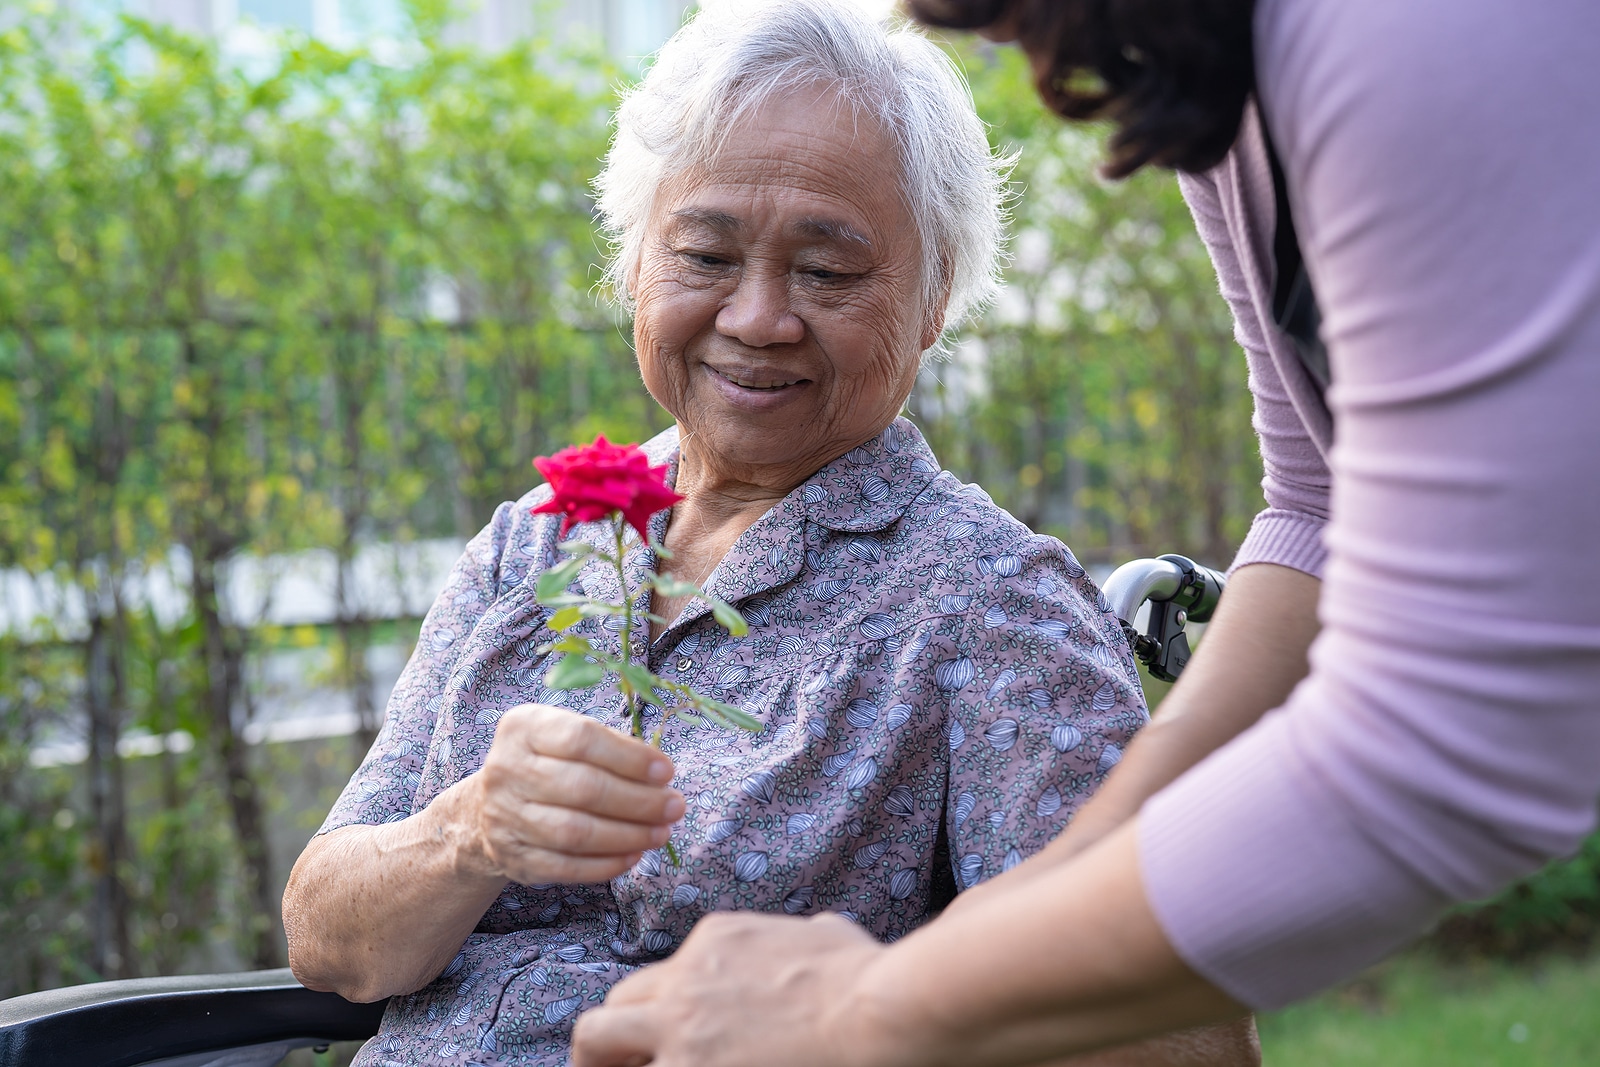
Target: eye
[(707, 260), (822, 274)]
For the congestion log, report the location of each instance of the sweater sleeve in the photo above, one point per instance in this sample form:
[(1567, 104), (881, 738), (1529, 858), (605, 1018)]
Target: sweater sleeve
[(1442, 160), (1295, 474)]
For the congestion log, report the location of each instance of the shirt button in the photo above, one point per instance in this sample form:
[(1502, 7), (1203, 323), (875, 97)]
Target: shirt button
[(685, 664)]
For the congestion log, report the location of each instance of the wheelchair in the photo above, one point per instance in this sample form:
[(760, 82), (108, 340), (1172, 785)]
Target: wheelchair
[(256, 1018)]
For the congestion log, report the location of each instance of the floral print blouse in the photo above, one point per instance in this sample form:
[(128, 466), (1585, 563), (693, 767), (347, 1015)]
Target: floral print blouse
[(940, 687)]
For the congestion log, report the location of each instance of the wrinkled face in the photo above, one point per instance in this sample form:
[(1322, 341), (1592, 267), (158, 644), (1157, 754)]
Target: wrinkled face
[(780, 316)]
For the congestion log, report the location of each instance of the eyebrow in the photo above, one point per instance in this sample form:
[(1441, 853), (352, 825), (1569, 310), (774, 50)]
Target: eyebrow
[(720, 221), (834, 230)]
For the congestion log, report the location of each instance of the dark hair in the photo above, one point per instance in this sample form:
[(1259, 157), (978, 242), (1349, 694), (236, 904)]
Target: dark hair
[(1172, 75)]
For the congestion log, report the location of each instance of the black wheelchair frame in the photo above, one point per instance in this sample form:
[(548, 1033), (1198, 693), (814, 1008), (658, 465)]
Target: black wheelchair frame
[(255, 1018), (252, 1019)]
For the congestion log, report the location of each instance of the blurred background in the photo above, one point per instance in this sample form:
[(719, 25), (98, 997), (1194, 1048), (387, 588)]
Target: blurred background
[(292, 291)]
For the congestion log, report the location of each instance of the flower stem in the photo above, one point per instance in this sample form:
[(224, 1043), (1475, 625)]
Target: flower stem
[(635, 705), (635, 701)]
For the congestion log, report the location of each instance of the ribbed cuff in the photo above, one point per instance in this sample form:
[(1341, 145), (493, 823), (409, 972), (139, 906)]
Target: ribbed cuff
[(1262, 883), (1287, 538)]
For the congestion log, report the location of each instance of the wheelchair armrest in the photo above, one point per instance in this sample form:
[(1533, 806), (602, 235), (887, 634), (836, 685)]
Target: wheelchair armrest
[(140, 1020)]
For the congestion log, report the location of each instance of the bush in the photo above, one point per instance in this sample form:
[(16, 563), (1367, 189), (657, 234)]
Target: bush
[(1556, 909)]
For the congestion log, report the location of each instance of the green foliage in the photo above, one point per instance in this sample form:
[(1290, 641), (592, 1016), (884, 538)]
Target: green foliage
[(1419, 1011), (1557, 908), (42, 903), (323, 301)]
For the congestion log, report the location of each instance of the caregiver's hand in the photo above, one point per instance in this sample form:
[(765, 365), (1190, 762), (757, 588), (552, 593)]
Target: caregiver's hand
[(372, 911), (564, 798), (721, 1015), (740, 984)]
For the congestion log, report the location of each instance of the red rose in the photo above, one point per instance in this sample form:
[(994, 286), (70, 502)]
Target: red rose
[(589, 482)]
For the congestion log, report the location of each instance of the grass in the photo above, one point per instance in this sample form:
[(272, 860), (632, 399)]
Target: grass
[(1417, 1011)]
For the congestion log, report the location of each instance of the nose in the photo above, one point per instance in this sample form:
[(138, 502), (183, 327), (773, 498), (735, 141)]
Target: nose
[(758, 313)]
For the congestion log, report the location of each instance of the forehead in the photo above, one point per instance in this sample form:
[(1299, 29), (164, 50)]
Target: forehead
[(805, 163)]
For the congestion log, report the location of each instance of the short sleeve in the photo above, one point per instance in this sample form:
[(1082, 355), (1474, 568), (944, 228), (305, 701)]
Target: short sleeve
[(1054, 699), (384, 787)]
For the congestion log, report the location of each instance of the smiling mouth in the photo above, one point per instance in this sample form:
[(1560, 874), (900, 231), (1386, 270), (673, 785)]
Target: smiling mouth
[(757, 386)]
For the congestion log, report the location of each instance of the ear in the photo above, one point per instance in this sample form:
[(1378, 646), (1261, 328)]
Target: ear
[(931, 330), (933, 320)]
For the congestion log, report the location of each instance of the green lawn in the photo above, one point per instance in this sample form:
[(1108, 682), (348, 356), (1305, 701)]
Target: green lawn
[(1418, 1011)]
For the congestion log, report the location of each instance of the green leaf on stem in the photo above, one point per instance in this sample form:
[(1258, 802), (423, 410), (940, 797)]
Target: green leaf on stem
[(569, 643), (573, 672), (672, 855), (659, 549), (639, 678), (578, 549), (667, 585), (726, 714), (727, 615), (567, 616), (554, 582), (584, 609)]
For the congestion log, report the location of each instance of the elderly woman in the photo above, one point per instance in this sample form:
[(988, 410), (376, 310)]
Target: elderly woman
[(802, 203)]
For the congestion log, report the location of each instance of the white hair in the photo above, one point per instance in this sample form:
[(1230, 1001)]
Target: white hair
[(735, 55)]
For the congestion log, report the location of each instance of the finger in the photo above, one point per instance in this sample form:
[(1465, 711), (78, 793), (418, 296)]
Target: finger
[(615, 1037), (642, 986), (587, 788), (532, 866), (579, 833), (567, 735)]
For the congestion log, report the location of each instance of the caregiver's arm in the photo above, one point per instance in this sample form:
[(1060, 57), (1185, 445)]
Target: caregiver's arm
[(1253, 655), (372, 911), (1118, 980), (1443, 744), (1068, 962)]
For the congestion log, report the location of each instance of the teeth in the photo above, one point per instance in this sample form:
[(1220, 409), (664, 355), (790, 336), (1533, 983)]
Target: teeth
[(753, 385)]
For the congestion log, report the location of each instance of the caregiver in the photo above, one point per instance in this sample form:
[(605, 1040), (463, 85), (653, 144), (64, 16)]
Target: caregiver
[(1436, 512)]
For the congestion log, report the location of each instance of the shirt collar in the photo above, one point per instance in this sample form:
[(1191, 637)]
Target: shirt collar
[(865, 490), (871, 486)]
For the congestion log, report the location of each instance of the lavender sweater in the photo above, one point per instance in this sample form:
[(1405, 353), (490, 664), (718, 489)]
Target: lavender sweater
[(1444, 162)]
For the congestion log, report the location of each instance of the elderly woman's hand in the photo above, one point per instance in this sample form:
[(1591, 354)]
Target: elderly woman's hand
[(560, 798), (563, 798)]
